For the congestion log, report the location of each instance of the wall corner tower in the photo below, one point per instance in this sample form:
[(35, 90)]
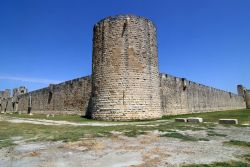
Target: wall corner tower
[(125, 70)]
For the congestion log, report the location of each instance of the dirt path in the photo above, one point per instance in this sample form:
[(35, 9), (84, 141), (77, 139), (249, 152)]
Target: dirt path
[(53, 122)]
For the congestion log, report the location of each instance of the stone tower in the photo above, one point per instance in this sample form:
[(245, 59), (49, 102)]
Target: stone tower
[(125, 69), (241, 90), (247, 97)]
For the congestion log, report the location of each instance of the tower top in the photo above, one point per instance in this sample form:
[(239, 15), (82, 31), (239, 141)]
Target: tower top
[(125, 17)]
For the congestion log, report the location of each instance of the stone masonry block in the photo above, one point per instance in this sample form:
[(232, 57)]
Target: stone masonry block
[(180, 119), (228, 121), (195, 119)]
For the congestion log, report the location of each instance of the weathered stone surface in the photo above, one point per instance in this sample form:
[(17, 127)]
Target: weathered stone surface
[(228, 121), (125, 69), (195, 119), (70, 97), (181, 96), (180, 119)]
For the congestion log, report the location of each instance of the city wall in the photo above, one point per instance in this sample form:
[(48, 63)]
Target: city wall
[(70, 97), (181, 96), (6, 105), (178, 96)]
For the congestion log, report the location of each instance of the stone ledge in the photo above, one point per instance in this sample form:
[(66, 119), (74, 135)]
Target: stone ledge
[(228, 121), (194, 119), (180, 119)]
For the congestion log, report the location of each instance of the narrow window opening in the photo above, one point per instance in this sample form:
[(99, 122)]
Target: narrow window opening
[(124, 28), (123, 96), (50, 97), (184, 84)]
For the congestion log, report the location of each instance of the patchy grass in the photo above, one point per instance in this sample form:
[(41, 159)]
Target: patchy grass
[(134, 133), (203, 139), (35, 132), (221, 164), (212, 133), (243, 115), (43, 132), (72, 133), (184, 126), (238, 143), (244, 163), (70, 118), (179, 136), (183, 137), (6, 143), (246, 157)]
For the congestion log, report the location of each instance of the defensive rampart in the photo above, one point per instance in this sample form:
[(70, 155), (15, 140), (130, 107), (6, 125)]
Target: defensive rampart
[(178, 96), (181, 96), (70, 97)]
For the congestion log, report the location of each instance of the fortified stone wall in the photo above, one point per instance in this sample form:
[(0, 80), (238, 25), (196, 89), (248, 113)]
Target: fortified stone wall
[(126, 82), (70, 97), (6, 105), (178, 96), (125, 69), (181, 96)]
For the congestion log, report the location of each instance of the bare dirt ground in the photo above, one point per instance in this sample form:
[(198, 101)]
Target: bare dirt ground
[(118, 150), (52, 122)]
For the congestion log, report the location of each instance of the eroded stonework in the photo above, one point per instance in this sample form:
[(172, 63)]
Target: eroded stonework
[(125, 69)]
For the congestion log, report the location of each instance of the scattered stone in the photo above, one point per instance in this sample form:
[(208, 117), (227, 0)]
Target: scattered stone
[(228, 121), (195, 119), (180, 119)]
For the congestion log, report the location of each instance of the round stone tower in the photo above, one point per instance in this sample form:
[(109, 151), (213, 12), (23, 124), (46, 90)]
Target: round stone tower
[(247, 97), (125, 70)]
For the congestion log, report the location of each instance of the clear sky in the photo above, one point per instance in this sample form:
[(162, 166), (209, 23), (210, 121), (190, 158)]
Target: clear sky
[(50, 41)]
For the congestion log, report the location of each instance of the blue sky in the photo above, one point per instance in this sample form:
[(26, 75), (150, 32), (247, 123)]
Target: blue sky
[(49, 41)]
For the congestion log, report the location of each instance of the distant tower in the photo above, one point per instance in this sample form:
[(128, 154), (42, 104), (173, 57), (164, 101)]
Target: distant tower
[(16, 92), (19, 91), (241, 90), (125, 69), (247, 98)]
